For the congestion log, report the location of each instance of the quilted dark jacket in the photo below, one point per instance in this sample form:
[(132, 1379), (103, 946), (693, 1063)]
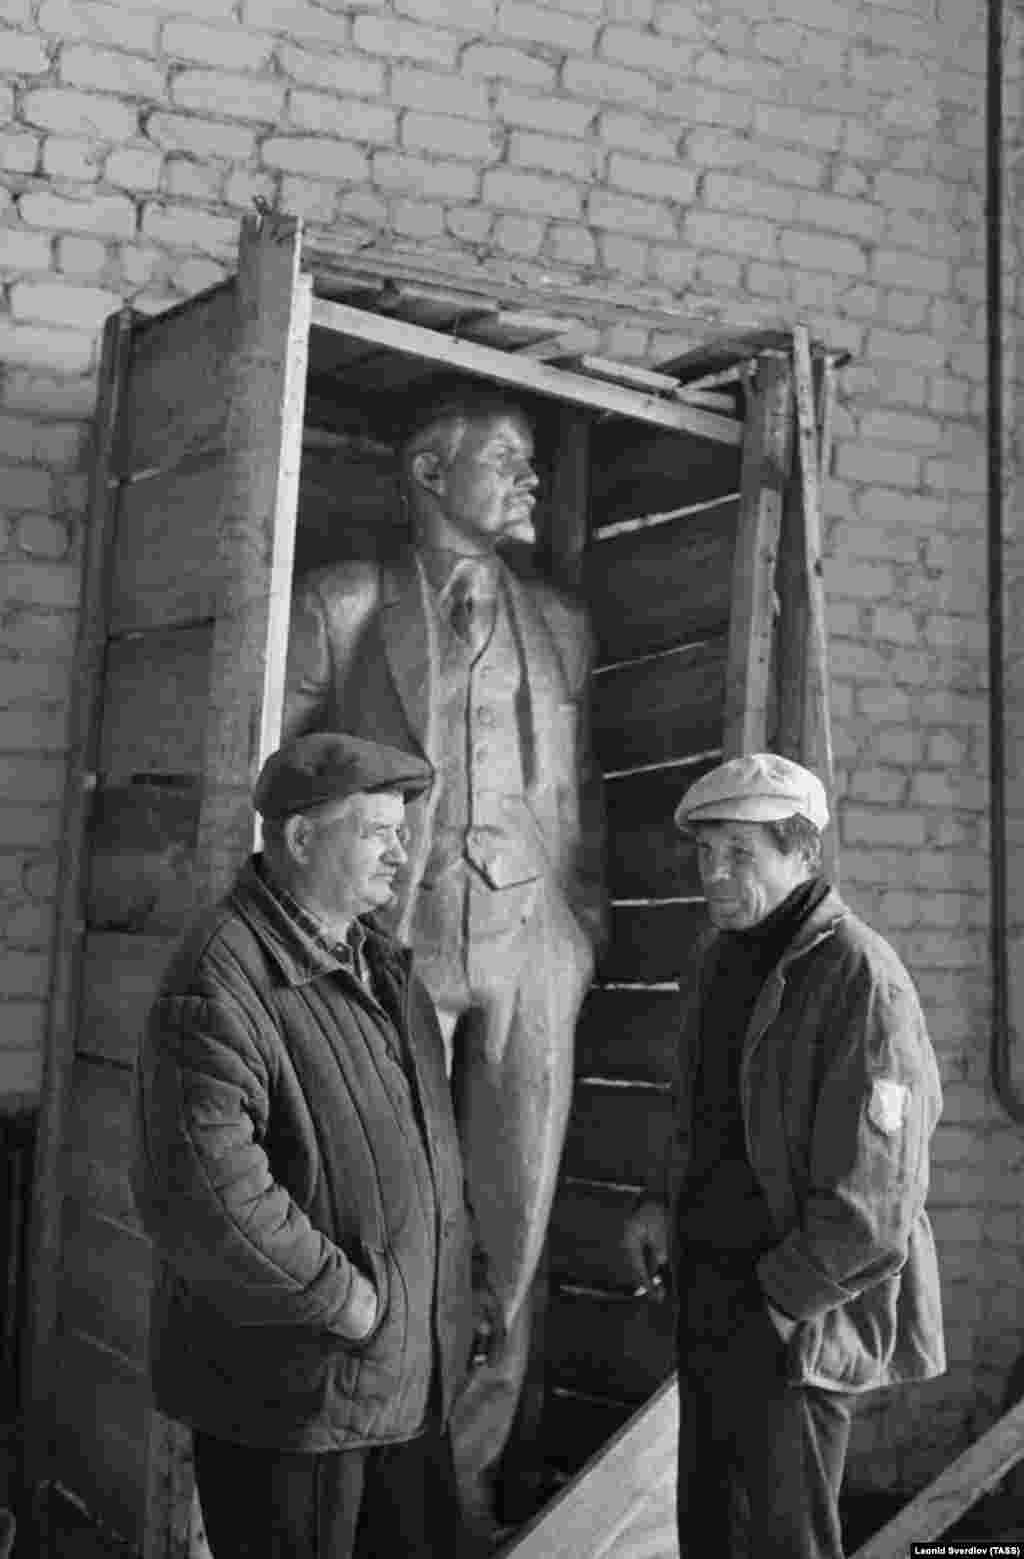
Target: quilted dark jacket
[(290, 1130), (840, 1095)]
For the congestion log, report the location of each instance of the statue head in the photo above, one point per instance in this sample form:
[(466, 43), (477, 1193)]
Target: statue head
[(468, 472)]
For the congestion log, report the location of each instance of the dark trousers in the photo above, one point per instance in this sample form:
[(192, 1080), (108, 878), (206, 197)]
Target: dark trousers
[(760, 1461), (379, 1503)]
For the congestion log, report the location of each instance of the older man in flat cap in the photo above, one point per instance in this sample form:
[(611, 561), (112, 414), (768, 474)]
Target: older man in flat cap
[(299, 1172), (793, 1209)]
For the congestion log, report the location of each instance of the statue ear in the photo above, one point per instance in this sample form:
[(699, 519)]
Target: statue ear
[(427, 470)]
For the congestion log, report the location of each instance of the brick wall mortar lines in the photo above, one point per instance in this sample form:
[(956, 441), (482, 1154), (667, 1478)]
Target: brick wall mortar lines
[(828, 165)]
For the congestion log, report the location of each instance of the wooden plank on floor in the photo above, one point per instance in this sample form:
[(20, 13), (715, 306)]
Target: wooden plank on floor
[(648, 711), (628, 1488), (933, 1511)]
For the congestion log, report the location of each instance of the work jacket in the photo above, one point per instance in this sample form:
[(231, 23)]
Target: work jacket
[(293, 1130), (840, 1095)]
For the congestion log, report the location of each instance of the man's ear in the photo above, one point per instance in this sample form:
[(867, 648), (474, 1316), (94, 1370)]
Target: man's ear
[(298, 832), (427, 470)]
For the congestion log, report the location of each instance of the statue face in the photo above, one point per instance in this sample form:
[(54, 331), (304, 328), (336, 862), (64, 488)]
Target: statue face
[(488, 488)]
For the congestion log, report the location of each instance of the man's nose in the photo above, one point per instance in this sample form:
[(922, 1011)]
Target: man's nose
[(715, 868), (526, 476)]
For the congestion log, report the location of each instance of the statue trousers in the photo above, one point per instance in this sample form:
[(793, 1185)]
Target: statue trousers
[(507, 969)]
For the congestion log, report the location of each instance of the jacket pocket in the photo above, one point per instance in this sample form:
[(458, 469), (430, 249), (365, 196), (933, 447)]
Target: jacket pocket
[(851, 1347)]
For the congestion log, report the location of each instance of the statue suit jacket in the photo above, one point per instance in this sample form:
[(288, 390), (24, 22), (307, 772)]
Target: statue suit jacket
[(363, 657)]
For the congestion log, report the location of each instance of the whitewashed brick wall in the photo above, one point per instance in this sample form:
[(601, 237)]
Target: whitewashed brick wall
[(754, 159)]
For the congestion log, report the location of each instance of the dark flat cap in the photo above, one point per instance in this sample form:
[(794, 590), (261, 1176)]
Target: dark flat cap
[(330, 765)]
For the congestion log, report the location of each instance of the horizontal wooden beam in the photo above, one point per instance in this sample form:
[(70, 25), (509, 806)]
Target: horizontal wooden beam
[(523, 372), (955, 1490)]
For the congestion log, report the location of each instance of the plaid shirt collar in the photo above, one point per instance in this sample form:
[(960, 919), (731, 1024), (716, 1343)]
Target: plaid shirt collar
[(348, 954)]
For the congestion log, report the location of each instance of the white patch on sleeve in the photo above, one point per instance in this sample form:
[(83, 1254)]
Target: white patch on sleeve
[(887, 1105)]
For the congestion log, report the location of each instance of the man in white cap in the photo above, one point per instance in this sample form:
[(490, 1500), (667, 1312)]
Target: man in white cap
[(793, 1208)]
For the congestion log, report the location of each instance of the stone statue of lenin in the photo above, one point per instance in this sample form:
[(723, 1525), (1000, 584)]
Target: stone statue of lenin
[(444, 650)]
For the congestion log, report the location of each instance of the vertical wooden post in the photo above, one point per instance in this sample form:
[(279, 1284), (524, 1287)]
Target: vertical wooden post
[(39, 1372), (804, 727), (255, 526), (764, 475)]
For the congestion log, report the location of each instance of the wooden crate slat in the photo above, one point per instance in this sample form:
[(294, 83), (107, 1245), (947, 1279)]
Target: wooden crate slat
[(628, 1034), (585, 1235), (649, 711), (653, 472), (617, 1135), (106, 1282), (620, 1347), (100, 1144), (102, 1428), (166, 566), (647, 857), (650, 942), (650, 589), (178, 382), (525, 373), (119, 981), (156, 695), (143, 839)]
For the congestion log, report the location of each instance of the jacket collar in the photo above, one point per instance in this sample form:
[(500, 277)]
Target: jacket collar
[(820, 923), (296, 956)]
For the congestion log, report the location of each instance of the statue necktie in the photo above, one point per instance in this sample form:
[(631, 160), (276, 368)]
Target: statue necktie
[(469, 613)]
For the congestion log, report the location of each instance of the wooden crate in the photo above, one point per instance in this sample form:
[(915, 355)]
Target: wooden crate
[(247, 436)]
